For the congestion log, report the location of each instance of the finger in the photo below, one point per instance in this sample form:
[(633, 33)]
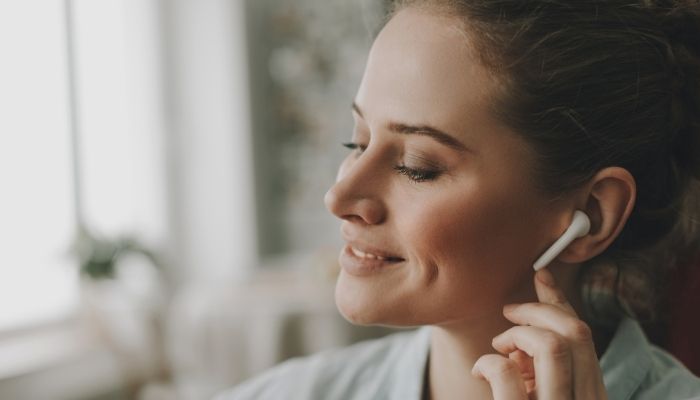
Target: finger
[(552, 358), (553, 318), (548, 292), (526, 367), (503, 376), (586, 368)]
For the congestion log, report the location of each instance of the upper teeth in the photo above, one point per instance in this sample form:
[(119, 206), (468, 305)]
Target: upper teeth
[(366, 255)]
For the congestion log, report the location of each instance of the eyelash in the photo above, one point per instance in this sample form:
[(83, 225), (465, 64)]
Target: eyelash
[(414, 174)]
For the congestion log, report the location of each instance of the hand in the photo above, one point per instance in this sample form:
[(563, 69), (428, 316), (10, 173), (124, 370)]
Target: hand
[(548, 355)]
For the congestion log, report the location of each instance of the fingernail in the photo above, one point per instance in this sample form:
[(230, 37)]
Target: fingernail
[(509, 308), (475, 371), (546, 277), (495, 339)]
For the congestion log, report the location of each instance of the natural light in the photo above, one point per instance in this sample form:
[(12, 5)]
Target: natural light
[(38, 281)]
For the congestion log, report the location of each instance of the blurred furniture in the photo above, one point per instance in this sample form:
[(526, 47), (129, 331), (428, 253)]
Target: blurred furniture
[(684, 323), (677, 329)]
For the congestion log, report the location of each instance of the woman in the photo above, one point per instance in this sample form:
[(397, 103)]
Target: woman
[(480, 128)]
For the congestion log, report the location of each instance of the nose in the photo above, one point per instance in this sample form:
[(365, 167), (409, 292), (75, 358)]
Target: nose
[(356, 195)]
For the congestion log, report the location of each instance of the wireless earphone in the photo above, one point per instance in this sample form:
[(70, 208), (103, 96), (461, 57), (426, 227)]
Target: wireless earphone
[(579, 227)]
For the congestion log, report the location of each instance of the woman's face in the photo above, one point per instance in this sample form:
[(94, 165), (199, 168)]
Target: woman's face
[(437, 186)]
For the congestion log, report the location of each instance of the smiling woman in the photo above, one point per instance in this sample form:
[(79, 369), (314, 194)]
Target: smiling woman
[(446, 221), (481, 128)]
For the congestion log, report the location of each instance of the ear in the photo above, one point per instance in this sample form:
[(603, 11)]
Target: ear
[(608, 200)]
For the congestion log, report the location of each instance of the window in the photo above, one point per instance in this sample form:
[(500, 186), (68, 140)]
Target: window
[(114, 182), (37, 213)]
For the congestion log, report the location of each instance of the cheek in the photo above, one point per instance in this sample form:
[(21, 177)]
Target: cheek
[(452, 230), (470, 251)]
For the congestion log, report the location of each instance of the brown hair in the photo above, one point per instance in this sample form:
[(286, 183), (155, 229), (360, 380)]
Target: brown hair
[(597, 83)]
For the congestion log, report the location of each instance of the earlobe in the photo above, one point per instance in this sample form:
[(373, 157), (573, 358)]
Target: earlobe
[(609, 200)]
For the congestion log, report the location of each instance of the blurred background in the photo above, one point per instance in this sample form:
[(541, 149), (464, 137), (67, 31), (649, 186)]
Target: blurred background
[(162, 169)]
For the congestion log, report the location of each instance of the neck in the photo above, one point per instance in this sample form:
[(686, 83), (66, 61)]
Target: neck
[(454, 349)]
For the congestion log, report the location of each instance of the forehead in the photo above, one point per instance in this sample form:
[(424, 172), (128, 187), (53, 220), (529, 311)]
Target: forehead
[(420, 69)]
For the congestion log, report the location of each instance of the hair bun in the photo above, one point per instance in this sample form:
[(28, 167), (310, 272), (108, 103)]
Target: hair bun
[(680, 20)]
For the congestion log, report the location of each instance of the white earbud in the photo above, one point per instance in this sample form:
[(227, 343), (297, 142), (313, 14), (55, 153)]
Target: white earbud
[(579, 227)]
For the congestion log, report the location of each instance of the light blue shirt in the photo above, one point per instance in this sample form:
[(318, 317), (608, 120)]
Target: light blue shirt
[(392, 368)]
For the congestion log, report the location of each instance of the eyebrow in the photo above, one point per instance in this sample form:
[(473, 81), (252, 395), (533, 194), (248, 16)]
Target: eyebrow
[(425, 130)]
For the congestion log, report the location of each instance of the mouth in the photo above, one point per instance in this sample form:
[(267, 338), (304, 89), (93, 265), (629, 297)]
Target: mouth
[(368, 255), (365, 261)]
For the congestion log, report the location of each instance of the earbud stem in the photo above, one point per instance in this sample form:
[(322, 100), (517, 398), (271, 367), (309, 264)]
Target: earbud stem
[(579, 227)]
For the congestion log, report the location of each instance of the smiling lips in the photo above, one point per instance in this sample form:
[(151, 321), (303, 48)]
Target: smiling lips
[(367, 255), (366, 262)]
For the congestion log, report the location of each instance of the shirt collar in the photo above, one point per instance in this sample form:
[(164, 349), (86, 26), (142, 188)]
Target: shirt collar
[(411, 367), (626, 361)]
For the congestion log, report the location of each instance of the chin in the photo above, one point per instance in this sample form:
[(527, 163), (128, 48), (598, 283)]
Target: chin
[(362, 303), (352, 305)]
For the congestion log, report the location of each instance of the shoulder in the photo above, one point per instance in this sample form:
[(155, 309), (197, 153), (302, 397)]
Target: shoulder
[(669, 379), (359, 371), (635, 369)]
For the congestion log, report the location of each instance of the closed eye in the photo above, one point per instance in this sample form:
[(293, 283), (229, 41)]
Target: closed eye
[(355, 146), (414, 174)]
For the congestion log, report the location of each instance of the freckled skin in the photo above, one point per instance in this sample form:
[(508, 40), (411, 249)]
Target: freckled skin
[(470, 236)]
